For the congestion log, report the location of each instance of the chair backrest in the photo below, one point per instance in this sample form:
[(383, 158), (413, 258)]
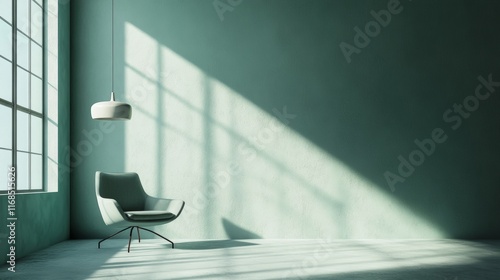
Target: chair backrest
[(125, 188)]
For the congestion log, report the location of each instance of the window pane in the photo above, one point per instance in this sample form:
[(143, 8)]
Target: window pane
[(5, 127), (5, 164), (6, 10), (22, 50), (6, 41), (5, 79), (36, 59), (36, 23), (22, 131), (40, 2), (22, 87), (36, 94), (36, 134), (36, 172), (23, 174), (22, 15)]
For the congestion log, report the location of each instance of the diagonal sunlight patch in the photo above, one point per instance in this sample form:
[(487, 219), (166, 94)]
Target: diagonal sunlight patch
[(194, 138)]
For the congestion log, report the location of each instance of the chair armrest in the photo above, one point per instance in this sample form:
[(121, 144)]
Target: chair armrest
[(111, 211), (173, 206)]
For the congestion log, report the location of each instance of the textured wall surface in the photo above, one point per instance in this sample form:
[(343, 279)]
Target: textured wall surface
[(294, 119), (43, 218)]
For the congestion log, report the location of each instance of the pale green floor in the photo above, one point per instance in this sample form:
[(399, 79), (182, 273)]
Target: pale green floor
[(263, 259)]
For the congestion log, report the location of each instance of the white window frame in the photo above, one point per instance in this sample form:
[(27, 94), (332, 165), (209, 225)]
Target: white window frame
[(15, 108)]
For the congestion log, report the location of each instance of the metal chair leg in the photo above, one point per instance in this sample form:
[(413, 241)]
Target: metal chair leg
[(130, 239), (99, 243), (130, 236), (159, 236)]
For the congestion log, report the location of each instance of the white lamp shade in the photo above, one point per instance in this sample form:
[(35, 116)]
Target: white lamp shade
[(111, 110)]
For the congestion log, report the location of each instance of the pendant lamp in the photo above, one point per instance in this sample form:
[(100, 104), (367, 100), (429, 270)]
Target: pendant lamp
[(111, 110)]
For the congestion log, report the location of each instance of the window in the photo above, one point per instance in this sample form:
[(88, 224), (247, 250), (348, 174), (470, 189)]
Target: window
[(21, 92)]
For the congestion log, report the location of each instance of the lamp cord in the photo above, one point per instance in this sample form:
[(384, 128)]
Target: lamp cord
[(112, 45)]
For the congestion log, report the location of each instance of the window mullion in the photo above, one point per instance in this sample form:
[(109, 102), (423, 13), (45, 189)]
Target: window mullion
[(44, 91), (29, 92)]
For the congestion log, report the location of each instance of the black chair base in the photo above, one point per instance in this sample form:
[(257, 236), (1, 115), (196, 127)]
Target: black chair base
[(130, 236)]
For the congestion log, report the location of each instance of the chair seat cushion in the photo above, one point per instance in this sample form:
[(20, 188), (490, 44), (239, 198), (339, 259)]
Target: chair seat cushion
[(149, 215)]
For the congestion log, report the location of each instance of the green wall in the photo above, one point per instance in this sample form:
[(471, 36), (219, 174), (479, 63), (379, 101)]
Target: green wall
[(43, 218), (254, 116)]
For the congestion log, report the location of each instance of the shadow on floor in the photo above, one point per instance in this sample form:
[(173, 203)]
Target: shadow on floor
[(236, 232), (212, 244)]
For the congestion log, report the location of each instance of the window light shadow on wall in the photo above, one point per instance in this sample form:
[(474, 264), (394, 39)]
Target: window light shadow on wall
[(195, 138), (52, 92)]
